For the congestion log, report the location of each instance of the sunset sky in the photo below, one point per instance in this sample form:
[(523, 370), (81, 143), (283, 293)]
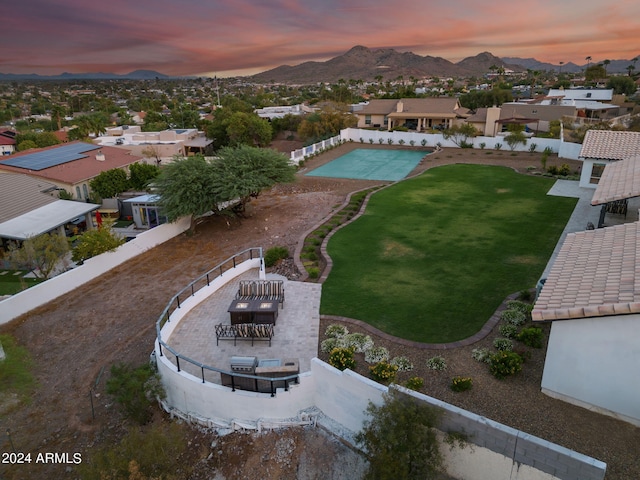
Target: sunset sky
[(243, 37)]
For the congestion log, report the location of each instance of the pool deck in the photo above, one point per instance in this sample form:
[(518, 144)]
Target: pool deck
[(296, 329)]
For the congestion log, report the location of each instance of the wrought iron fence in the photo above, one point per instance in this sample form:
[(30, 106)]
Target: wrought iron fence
[(206, 371)]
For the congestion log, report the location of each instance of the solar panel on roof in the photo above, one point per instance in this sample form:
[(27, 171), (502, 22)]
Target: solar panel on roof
[(50, 158)]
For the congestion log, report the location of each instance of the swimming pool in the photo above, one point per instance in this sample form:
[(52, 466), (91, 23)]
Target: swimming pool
[(372, 164)]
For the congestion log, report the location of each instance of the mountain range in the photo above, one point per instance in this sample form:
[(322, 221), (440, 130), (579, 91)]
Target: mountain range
[(361, 63)]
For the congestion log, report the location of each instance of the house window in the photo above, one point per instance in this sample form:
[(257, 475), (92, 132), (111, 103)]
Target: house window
[(596, 172), (85, 191), (589, 95), (367, 119), (78, 193)]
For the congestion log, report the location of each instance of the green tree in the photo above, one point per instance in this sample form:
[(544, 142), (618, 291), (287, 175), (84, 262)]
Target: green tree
[(400, 440), (594, 72), (460, 134), (110, 183), (187, 187), (248, 129), (622, 85), (41, 253), (46, 139), (516, 136), (141, 174), (96, 241), (26, 145), (242, 173), (325, 124), (135, 389)]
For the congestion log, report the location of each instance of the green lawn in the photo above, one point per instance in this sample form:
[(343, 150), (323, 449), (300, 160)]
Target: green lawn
[(434, 256), (13, 281)]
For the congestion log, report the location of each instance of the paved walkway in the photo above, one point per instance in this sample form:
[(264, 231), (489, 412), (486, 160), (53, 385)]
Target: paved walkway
[(296, 329)]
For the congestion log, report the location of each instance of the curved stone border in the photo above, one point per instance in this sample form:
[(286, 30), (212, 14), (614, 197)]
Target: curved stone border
[(482, 333)]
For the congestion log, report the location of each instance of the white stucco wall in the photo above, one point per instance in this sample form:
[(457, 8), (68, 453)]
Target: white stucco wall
[(595, 363), (585, 176)]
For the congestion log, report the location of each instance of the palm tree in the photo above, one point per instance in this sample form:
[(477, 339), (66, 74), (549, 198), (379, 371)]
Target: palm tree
[(630, 69), (588, 59), (560, 73), (606, 63)]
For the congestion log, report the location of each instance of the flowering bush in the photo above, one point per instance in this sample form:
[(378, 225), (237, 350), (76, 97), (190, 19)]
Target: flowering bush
[(503, 344), (376, 354), (403, 364), (414, 383), (358, 341), (336, 331), (436, 363), (342, 358), (383, 372), (531, 337), (481, 355), (514, 317), (504, 364), (329, 344), (461, 384), (508, 331), (523, 307)]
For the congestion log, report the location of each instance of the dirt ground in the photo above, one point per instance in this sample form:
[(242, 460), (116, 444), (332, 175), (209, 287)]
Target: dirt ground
[(76, 339)]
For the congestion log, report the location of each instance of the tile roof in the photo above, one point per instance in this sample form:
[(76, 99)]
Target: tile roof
[(619, 180), (595, 274), (610, 145), (79, 170), (414, 106)]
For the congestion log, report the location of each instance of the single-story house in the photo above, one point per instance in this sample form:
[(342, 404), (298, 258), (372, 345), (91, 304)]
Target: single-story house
[(601, 147), (70, 166), (7, 141), (592, 298), (30, 206), (418, 114)]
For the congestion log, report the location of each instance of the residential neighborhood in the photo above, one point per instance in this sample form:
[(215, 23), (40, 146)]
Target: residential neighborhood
[(179, 175)]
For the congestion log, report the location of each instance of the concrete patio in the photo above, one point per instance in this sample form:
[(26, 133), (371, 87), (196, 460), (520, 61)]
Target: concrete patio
[(296, 329)]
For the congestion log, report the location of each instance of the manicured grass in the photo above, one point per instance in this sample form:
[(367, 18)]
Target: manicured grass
[(13, 281), (434, 256)]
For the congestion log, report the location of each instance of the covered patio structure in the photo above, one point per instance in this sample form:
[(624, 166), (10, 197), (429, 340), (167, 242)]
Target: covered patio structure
[(618, 186)]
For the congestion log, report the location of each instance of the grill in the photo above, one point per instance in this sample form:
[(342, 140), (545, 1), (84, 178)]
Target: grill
[(244, 364)]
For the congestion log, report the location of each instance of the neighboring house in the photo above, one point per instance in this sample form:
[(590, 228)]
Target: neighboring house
[(539, 114), (595, 103), (601, 147), (592, 296), (420, 114), (279, 112), (7, 141), (30, 207), (70, 166), (156, 146)]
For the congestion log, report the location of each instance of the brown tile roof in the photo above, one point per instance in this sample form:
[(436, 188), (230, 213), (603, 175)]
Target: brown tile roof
[(78, 170), (595, 274), (412, 107), (610, 145), (619, 180)]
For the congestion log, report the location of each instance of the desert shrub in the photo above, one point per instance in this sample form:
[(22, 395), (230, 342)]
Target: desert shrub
[(414, 383), (532, 147), (505, 363), (498, 146), (273, 254), (514, 317), (342, 358), (564, 170), (400, 439), (403, 364), (521, 306), (503, 344), (309, 256), (390, 141), (436, 363), (481, 355), (508, 331), (336, 330), (423, 142), (376, 354), (314, 272), (383, 372), (553, 170), (461, 384), (525, 295), (358, 341), (531, 337), (329, 344), (482, 145), (135, 389)]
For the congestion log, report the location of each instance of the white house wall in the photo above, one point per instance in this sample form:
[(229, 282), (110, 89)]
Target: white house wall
[(595, 363)]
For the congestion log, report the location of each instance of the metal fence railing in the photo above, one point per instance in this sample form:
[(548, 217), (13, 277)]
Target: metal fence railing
[(207, 372)]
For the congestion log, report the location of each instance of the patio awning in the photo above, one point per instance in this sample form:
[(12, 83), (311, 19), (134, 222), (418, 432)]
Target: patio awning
[(620, 180), (44, 219)]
